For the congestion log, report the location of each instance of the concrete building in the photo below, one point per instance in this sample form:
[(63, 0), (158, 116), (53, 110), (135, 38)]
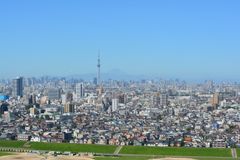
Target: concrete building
[(68, 108), (163, 100), (32, 99), (6, 116), (17, 87), (115, 103), (79, 91), (156, 100), (53, 94), (159, 100), (33, 111), (64, 99), (215, 100)]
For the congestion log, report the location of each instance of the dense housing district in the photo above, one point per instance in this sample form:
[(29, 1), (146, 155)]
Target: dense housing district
[(141, 113)]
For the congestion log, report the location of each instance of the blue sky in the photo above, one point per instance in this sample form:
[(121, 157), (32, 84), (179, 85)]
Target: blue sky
[(172, 38)]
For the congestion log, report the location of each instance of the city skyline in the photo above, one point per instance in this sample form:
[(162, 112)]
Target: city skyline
[(187, 40), (104, 79)]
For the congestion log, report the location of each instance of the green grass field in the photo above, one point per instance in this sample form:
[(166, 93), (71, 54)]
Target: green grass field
[(151, 151), (12, 144), (238, 152), (176, 151), (122, 158), (148, 158), (4, 154), (64, 147), (215, 159)]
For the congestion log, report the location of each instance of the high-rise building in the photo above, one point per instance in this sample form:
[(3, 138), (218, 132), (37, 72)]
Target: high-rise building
[(33, 111), (160, 100), (122, 98), (54, 94), (115, 103), (156, 100), (68, 108), (215, 100), (163, 100), (18, 87), (64, 99), (32, 99), (79, 91)]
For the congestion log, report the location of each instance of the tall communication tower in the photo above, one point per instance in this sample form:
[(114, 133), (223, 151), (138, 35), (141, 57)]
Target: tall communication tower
[(99, 70)]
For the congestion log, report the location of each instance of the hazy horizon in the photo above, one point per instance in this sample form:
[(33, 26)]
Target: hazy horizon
[(193, 40)]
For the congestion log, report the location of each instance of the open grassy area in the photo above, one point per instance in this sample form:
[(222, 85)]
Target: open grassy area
[(215, 159), (122, 158), (212, 152), (64, 147), (151, 151), (238, 152), (12, 144), (4, 154), (59, 147), (147, 158)]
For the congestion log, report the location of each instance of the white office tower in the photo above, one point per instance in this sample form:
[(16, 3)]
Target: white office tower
[(115, 103), (79, 91)]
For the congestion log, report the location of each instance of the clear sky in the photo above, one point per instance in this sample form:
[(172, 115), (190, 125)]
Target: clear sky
[(169, 38)]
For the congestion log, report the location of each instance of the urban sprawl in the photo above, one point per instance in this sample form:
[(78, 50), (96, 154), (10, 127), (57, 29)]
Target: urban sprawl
[(142, 113)]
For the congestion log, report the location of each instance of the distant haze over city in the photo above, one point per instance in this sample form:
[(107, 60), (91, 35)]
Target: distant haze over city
[(119, 79), (189, 40)]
